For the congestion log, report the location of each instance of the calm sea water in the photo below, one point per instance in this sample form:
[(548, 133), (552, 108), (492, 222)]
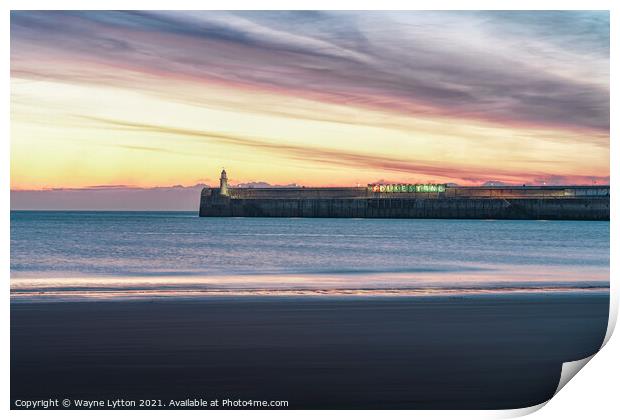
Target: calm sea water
[(78, 255)]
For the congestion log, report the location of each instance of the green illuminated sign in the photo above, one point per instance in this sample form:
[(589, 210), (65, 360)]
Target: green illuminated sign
[(407, 188)]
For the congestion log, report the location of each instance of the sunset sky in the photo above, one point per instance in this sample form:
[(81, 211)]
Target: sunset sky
[(109, 100)]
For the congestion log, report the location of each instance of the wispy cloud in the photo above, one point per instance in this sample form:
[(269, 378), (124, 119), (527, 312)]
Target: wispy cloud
[(519, 68), (339, 157)]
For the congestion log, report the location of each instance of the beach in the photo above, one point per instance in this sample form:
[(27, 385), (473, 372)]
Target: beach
[(334, 313), (458, 352)]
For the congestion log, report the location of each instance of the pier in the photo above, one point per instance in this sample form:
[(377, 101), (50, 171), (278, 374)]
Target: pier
[(429, 201)]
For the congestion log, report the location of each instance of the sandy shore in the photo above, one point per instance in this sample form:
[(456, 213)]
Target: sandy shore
[(315, 352)]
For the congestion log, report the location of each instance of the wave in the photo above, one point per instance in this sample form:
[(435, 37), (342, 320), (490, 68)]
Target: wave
[(399, 284), (65, 296)]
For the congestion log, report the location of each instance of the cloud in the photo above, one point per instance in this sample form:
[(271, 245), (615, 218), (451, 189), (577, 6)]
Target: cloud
[(338, 157), (145, 148), (152, 149), (526, 69)]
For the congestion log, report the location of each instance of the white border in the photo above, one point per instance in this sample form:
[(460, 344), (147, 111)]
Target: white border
[(593, 394)]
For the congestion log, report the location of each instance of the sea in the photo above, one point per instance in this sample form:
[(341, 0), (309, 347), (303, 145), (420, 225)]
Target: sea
[(66, 255)]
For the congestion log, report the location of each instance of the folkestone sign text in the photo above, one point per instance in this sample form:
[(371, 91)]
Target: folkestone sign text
[(407, 188)]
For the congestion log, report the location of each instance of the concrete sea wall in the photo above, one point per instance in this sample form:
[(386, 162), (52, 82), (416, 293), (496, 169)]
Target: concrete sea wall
[(355, 203)]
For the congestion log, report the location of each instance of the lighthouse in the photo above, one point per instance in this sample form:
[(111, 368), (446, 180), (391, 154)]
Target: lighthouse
[(223, 183)]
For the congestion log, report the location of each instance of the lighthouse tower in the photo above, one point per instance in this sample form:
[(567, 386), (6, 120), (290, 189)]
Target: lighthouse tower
[(223, 183)]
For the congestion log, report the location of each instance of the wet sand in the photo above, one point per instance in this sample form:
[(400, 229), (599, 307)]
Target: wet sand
[(316, 352)]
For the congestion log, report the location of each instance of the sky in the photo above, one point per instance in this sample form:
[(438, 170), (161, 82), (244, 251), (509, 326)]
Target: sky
[(107, 102)]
